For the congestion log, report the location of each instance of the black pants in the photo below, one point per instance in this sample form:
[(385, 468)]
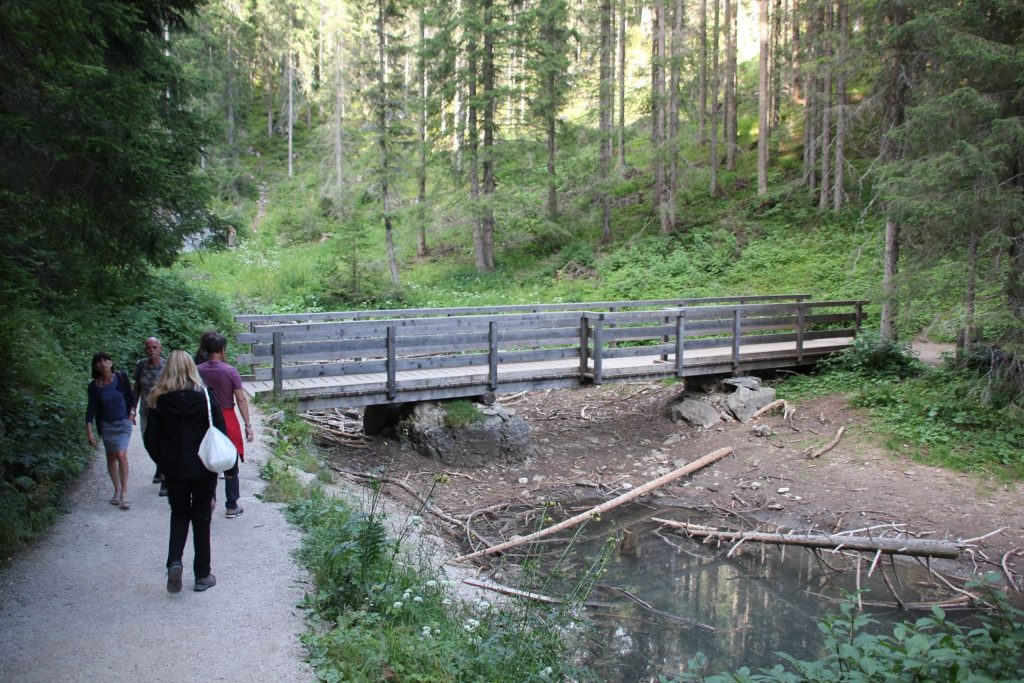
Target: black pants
[(191, 501)]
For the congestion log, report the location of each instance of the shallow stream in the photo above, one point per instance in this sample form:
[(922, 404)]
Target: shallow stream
[(760, 601)]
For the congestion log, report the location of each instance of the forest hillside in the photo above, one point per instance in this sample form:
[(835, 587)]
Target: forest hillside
[(167, 164)]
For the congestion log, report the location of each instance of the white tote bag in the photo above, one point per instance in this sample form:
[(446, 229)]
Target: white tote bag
[(216, 450)]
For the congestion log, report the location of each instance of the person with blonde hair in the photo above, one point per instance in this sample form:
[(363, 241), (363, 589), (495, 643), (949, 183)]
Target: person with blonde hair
[(175, 427)]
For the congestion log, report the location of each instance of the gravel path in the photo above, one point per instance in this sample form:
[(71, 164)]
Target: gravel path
[(88, 602)]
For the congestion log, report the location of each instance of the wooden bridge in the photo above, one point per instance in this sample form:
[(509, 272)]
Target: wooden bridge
[(354, 358)]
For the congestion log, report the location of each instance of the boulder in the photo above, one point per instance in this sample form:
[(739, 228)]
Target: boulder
[(696, 413), (743, 403), (500, 438), (746, 381)]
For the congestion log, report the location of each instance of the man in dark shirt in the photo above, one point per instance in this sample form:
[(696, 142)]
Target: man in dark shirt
[(147, 372)]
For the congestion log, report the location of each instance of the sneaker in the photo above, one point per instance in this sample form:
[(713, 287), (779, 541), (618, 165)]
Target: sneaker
[(204, 583), (174, 578), (231, 513), (163, 489), (157, 478)]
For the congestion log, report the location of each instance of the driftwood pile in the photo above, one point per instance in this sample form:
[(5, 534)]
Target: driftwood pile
[(336, 428)]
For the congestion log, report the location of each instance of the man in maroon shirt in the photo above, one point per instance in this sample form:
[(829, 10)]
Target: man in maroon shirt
[(226, 384)]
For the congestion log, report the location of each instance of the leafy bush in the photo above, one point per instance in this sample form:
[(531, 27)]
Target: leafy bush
[(385, 614), (871, 355), (930, 649), (42, 405)]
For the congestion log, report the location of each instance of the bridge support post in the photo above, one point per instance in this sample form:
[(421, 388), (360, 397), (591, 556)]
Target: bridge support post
[(598, 343), (278, 380), (680, 335), (390, 364), (858, 317), (584, 343), (492, 354), (735, 339), (664, 338), (801, 324)]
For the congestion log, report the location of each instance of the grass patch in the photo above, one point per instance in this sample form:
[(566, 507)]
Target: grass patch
[(461, 414), (936, 416)]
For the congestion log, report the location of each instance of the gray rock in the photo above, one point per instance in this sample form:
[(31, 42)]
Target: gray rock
[(743, 403), (500, 438), (696, 413), (746, 381)]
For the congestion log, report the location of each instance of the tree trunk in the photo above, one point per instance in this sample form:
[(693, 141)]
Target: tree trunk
[(382, 144), (970, 333), (622, 87), (676, 56), (700, 463), (762, 101), (702, 76), (890, 546), (839, 166), (826, 106), (731, 120), (270, 109), (775, 64), (606, 105), (229, 93), (796, 78), (490, 97), (811, 99), (887, 328), (291, 120), (421, 171), (1015, 270), (658, 114), (715, 190)]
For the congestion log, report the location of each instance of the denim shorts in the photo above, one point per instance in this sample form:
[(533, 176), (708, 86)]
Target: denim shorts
[(116, 435)]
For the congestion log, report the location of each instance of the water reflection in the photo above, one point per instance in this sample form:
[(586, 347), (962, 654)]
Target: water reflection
[(760, 602)]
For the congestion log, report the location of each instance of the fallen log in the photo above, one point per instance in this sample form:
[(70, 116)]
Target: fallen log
[(526, 595), (827, 447), (613, 503), (890, 546)]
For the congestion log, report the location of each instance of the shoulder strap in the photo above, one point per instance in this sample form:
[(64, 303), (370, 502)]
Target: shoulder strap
[(209, 410)]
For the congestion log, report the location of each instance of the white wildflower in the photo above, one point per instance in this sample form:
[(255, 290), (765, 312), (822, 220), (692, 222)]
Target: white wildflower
[(397, 604), (417, 599)]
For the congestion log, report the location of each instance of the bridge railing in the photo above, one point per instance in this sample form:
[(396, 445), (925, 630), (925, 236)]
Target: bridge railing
[(258, 322), (676, 331), (485, 342)]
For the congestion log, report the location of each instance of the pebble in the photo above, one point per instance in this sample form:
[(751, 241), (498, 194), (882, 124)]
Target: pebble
[(524, 480), (784, 489)]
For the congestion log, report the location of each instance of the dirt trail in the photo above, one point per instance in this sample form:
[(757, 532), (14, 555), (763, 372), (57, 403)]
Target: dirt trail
[(89, 602)]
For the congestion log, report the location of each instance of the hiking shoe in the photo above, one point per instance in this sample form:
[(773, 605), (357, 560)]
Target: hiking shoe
[(231, 513), (157, 478), (163, 490), (204, 583), (174, 578)]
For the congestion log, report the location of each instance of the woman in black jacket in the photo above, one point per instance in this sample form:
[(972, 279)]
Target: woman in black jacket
[(179, 410)]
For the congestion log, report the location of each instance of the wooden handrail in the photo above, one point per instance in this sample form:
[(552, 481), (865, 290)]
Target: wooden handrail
[(510, 308)]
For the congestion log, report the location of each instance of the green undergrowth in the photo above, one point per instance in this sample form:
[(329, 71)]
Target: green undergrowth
[(932, 648), (937, 416), (382, 609), (48, 343)]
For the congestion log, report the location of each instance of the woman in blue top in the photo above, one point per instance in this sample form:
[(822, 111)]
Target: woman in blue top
[(111, 402)]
